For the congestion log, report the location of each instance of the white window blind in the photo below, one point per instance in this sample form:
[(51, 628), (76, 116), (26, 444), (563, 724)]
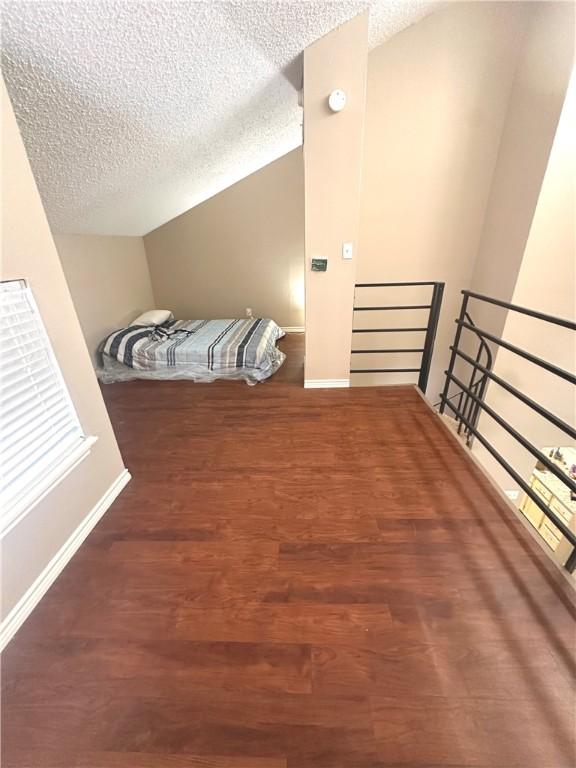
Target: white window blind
[(39, 428)]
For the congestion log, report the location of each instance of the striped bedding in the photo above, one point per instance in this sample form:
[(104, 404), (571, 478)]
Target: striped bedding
[(202, 350)]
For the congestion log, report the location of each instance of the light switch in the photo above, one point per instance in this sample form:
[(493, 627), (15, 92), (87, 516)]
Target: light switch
[(347, 250)]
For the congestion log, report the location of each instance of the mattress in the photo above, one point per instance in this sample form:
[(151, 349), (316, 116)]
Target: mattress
[(200, 350)]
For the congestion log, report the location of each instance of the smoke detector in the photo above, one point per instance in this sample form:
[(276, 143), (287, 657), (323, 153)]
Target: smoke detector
[(337, 100)]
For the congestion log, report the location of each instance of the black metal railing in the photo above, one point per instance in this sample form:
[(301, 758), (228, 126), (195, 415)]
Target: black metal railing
[(469, 410), (477, 386), (429, 329)]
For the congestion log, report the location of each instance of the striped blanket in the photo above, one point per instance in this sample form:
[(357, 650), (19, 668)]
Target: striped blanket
[(202, 350)]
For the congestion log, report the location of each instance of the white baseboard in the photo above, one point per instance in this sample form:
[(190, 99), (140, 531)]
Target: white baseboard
[(38, 589), (325, 383), (293, 329)]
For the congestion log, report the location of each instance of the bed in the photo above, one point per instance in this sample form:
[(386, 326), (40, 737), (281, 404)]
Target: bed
[(200, 350)]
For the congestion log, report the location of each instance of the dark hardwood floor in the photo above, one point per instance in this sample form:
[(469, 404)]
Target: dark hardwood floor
[(294, 579)]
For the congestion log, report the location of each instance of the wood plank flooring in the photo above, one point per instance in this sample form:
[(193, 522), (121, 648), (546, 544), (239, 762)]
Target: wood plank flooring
[(294, 579)]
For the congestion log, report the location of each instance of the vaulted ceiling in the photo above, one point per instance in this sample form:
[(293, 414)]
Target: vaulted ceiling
[(133, 111)]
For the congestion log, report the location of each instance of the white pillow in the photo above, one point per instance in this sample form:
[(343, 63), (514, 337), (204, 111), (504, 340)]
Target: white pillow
[(153, 317)]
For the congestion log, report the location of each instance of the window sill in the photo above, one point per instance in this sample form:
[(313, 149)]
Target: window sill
[(17, 511)]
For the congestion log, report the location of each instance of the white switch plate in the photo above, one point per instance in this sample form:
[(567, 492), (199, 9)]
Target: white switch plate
[(512, 495), (347, 250)]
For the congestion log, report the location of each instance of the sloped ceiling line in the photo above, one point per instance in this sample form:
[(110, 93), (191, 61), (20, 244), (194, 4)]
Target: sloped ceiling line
[(134, 111)]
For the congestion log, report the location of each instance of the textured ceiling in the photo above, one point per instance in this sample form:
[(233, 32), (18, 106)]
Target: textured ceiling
[(133, 111)]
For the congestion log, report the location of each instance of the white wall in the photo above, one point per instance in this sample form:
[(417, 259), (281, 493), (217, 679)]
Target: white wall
[(109, 281), (332, 166), (28, 252), (437, 99), (546, 282), (536, 99), (241, 248)]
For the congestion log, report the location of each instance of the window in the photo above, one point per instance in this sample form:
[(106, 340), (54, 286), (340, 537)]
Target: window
[(40, 435)]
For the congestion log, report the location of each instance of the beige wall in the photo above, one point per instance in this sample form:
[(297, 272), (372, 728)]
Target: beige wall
[(28, 252), (436, 104), (332, 165), (242, 248), (109, 280), (546, 282), (535, 104)]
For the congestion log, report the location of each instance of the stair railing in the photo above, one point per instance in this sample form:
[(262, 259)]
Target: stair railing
[(477, 386), (469, 418), (429, 329)]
